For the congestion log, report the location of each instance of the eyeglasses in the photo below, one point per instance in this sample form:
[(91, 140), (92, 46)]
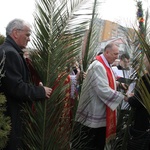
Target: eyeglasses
[(25, 32), (18, 29)]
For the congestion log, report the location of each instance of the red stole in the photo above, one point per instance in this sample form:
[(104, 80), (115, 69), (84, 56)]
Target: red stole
[(110, 115), (34, 74), (35, 78)]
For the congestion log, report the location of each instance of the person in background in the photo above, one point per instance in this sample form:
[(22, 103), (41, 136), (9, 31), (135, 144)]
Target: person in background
[(74, 76), (116, 62), (95, 121), (16, 84), (26, 53), (123, 70)]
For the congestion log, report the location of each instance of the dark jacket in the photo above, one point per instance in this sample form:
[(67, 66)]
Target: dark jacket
[(141, 117), (17, 88)]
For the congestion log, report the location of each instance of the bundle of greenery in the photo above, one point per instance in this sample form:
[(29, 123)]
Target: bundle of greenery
[(5, 123)]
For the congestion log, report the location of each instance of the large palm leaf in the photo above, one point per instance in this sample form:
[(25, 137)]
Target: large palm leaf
[(59, 32), (144, 92), (141, 48)]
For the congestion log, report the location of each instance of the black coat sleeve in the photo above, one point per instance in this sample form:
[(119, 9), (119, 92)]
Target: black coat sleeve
[(16, 81)]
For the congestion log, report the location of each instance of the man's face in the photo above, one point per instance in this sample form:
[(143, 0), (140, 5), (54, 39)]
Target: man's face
[(125, 63), (112, 54), (22, 36)]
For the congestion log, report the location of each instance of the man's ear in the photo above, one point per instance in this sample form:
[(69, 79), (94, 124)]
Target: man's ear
[(107, 51), (15, 33)]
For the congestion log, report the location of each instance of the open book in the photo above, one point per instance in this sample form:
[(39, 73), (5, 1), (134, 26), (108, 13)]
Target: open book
[(125, 80)]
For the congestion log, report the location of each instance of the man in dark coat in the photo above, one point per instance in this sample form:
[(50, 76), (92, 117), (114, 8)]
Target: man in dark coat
[(16, 83)]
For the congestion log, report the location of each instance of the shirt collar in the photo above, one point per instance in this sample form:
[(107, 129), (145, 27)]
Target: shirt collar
[(105, 61)]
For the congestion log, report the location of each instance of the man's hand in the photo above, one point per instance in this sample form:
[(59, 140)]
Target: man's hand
[(127, 96), (48, 91)]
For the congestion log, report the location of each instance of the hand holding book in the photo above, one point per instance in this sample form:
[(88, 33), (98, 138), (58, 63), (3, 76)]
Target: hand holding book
[(125, 80)]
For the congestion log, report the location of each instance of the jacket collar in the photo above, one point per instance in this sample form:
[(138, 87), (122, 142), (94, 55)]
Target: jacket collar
[(105, 61), (10, 40)]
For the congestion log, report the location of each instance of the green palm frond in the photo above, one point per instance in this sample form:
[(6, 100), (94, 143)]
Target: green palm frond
[(141, 47), (91, 39), (145, 50), (59, 31), (5, 123)]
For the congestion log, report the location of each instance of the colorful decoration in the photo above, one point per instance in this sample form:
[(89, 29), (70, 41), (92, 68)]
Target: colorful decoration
[(140, 17)]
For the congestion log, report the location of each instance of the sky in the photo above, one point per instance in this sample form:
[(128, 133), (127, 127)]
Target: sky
[(120, 11), (10, 9)]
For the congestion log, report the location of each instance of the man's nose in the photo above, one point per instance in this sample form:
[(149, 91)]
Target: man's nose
[(116, 57), (28, 39)]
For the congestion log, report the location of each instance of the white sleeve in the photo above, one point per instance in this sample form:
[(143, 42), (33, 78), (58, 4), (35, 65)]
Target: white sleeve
[(100, 84), (73, 85)]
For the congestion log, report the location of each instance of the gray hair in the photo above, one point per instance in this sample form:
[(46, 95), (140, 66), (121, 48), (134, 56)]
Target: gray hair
[(110, 45), (16, 24)]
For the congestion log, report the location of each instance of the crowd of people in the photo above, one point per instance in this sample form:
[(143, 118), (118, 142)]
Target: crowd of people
[(101, 93)]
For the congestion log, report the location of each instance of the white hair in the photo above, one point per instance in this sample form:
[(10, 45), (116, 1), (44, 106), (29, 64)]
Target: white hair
[(16, 24)]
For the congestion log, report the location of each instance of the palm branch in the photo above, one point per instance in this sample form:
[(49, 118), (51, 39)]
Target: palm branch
[(144, 93), (5, 123), (58, 36), (141, 48), (90, 44)]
